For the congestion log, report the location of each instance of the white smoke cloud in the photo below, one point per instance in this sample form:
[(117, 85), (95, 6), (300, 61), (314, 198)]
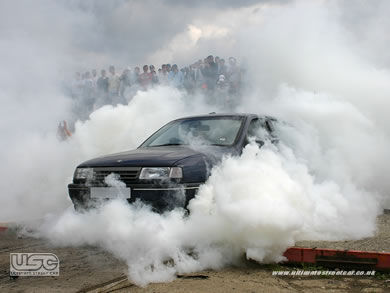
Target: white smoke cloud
[(45, 165), (255, 205), (135, 122)]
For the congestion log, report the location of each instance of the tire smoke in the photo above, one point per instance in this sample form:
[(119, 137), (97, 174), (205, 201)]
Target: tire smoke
[(326, 180)]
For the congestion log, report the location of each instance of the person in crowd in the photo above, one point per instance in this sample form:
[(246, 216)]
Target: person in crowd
[(102, 88), (113, 84), (222, 68), (102, 82), (76, 86), (153, 74), (217, 62), (198, 77), (94, 75), (94, 81), (222, 92), (163, 75), (88, 92), (220, 82), (189, 79), (124, 83), (145, 78), (210, 72), (63, 132), (135, 76), (234, 76), (175, 77)]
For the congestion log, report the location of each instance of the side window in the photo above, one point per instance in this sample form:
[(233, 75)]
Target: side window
[(262, 130), (270, 127), (257, 129), (253, 128)]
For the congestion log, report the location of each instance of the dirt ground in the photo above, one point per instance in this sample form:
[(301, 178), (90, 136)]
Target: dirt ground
[(89, 269)]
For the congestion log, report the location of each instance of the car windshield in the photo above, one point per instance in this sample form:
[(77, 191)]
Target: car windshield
[(220, 131)]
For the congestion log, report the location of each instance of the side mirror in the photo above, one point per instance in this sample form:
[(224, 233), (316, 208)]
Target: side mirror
[(259, 142)]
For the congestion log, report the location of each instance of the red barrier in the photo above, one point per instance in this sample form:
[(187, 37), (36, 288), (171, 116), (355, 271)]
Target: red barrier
[(377, 260)]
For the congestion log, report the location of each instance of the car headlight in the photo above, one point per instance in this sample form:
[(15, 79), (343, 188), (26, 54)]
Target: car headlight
[(161, 173), (83, 173)]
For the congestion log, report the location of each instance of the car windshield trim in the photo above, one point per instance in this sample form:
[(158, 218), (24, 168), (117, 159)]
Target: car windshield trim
[(167, 144), (152, 138)]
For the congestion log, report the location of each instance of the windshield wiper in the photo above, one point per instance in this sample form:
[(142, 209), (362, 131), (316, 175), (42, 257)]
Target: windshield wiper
[(167, 144), (170, 144)]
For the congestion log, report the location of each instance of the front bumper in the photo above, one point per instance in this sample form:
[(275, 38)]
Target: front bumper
[(161, 198)]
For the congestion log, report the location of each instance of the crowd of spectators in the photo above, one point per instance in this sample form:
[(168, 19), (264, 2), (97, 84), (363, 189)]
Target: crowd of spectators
[(219, 81)]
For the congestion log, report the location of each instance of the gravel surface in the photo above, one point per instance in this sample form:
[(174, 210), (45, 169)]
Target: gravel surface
[(89, 269)]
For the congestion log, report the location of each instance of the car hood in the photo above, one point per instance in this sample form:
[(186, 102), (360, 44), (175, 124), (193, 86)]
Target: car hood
[(152, 156)]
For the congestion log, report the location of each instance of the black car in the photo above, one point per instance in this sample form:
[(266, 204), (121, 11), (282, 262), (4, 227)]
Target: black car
[(168, 168)]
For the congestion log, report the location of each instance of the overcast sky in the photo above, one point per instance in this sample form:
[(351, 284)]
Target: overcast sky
[(109, 31), (131, 32)]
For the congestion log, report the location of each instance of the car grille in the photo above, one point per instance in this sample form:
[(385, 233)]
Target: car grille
[(127, 175)]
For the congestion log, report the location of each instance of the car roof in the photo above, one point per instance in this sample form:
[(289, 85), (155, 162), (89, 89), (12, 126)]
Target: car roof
[(213, 114)]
